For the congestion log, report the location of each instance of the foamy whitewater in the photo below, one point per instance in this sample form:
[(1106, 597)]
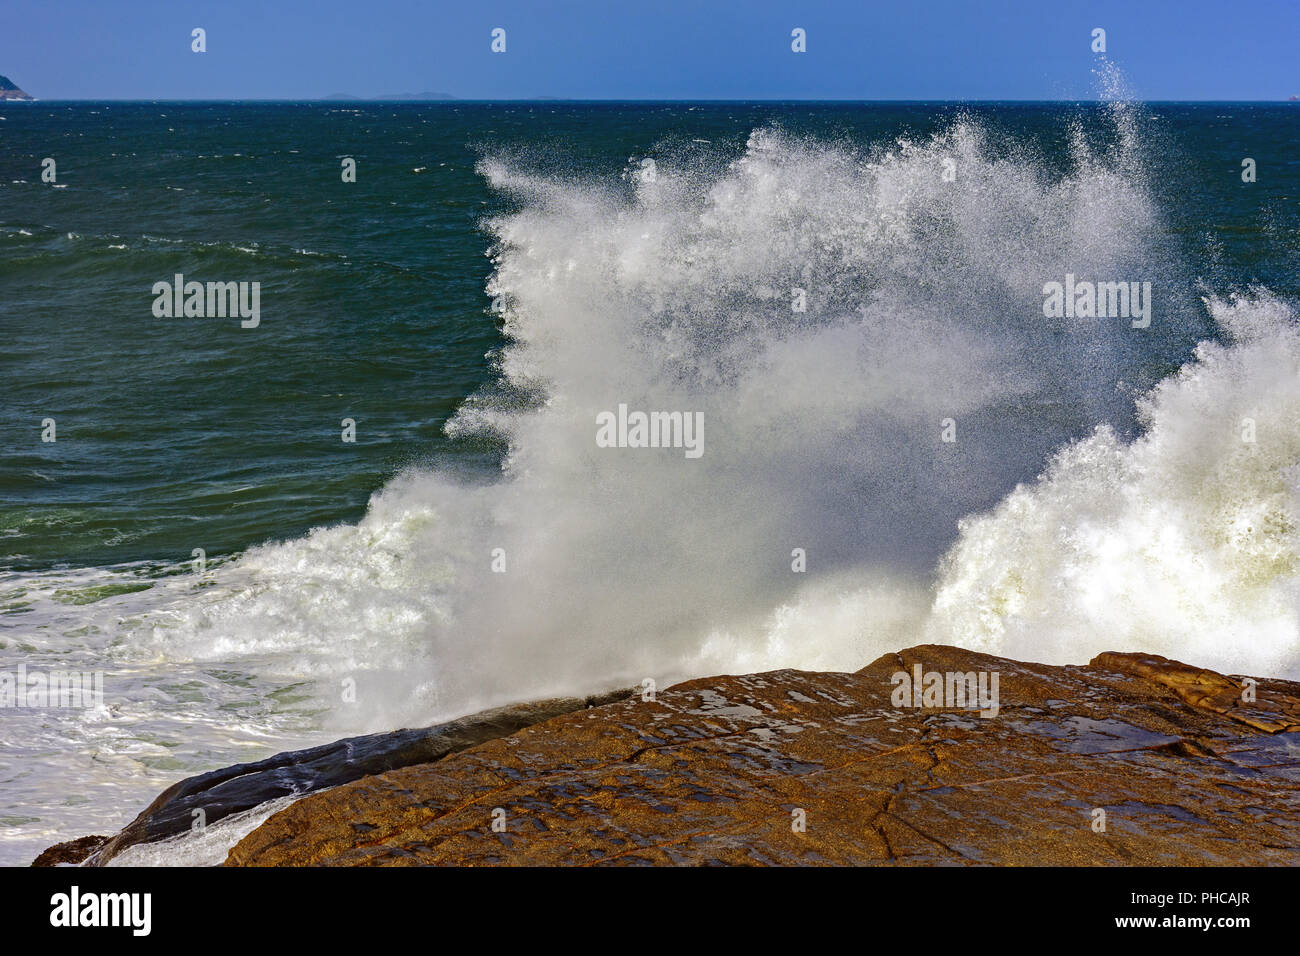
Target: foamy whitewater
[(1079, 510)]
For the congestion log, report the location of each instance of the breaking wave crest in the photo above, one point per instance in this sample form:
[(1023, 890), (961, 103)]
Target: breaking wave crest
[(1184, 542), (921, 265)]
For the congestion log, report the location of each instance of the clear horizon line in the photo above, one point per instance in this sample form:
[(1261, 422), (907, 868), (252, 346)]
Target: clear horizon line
[(401, 98)]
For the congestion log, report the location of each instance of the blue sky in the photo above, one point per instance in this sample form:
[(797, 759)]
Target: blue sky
[(665, 49)]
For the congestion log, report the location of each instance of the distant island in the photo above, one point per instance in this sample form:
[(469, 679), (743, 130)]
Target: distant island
[(430, 98), (391, 96), (8, 91)]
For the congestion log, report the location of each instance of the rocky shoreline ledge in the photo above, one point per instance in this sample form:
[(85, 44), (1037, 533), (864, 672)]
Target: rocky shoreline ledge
[(1132, 759)]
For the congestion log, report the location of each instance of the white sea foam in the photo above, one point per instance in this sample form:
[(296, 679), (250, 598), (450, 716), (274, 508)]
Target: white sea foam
[(1185, 542), (207, 846)]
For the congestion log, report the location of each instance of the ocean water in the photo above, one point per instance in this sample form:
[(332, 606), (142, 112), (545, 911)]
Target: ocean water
[(500, 274)]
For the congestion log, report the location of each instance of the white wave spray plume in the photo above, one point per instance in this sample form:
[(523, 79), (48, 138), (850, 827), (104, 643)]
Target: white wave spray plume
[(1185, 542), (822, 432)]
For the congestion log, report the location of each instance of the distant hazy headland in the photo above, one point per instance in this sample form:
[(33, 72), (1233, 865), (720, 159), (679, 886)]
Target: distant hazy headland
[(8, 91), (391, 96)]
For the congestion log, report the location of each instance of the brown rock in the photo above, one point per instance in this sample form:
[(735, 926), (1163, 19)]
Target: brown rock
[(72, 851), (715, 770), (1273, 710), (230, 790)]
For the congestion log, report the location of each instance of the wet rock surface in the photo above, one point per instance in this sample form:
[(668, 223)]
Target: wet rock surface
[(231, 790), (70, 852), (1130, 760)]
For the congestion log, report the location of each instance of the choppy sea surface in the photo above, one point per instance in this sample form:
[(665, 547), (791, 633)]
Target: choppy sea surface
[(500, 274)]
